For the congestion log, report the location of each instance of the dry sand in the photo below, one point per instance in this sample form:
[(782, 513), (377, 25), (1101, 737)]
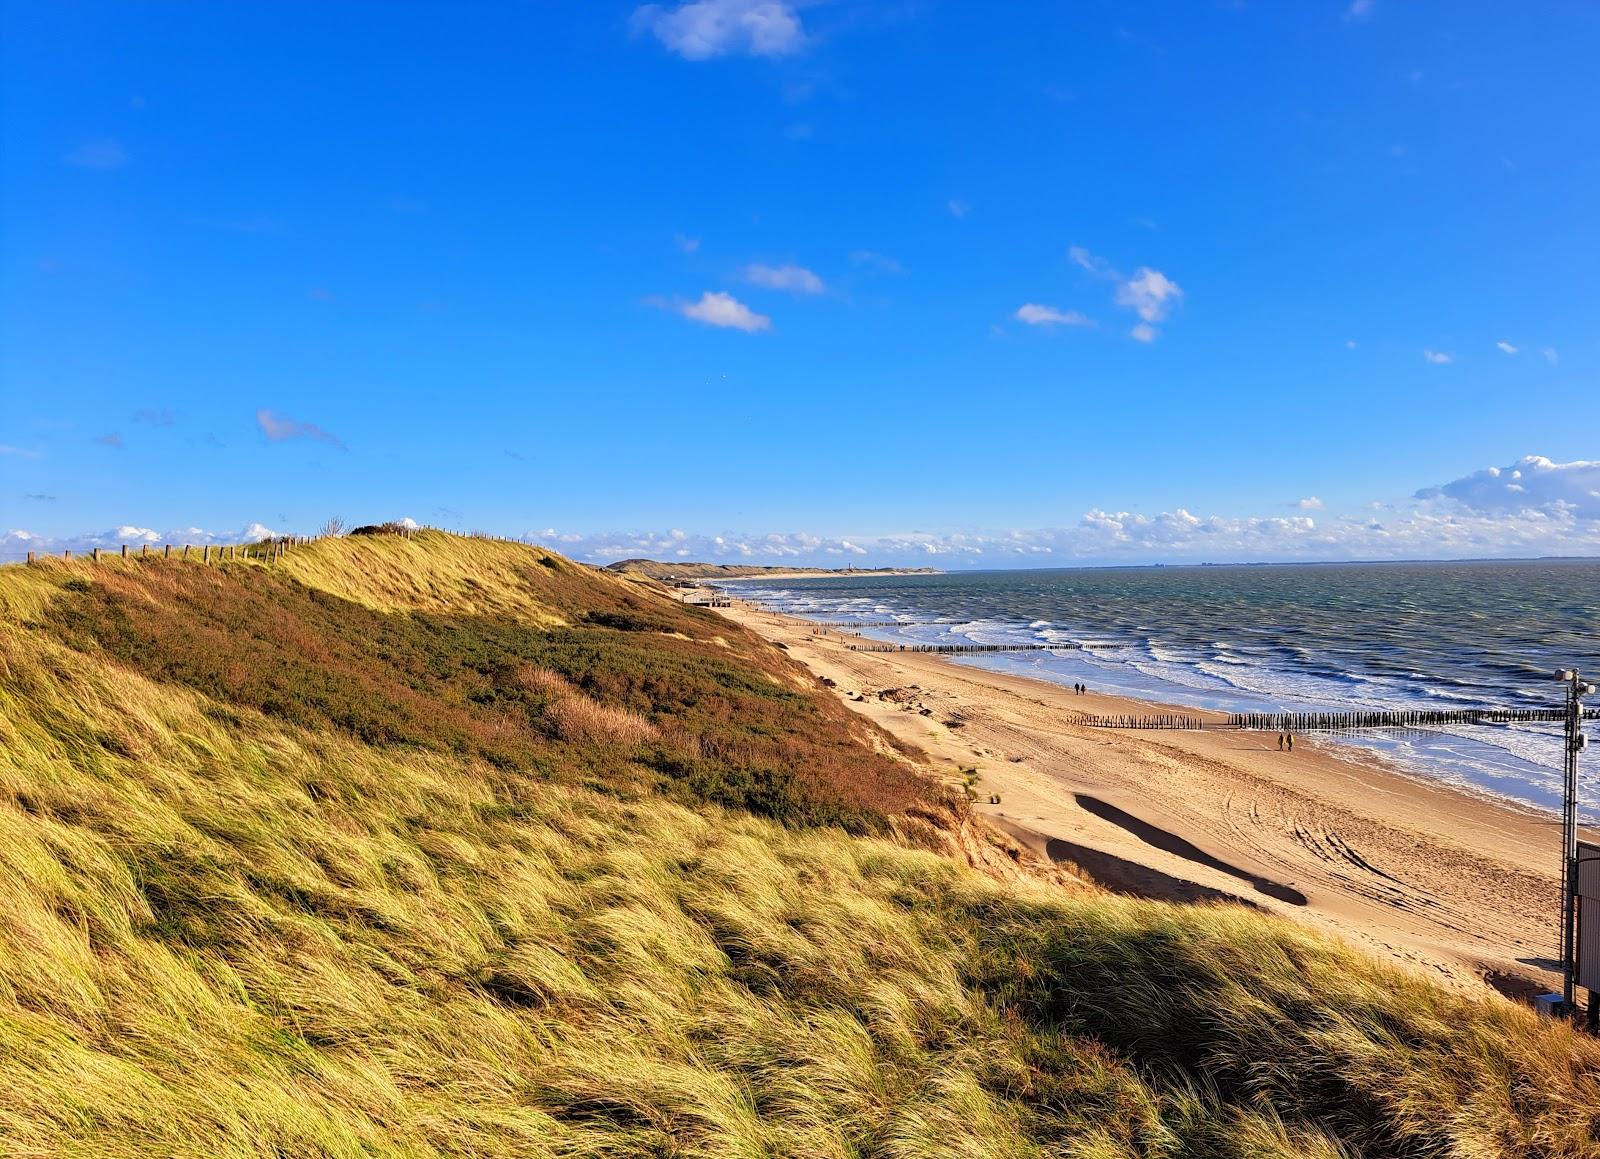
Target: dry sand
[(1460, 885)]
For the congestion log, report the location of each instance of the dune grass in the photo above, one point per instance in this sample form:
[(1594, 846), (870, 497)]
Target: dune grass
[(232, 925), (440, 661)]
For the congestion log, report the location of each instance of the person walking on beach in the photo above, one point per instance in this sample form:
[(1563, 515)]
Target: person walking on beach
[(1290, 738), (1280, 742)]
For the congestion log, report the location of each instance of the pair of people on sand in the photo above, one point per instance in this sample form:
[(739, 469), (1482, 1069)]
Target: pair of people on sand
[(1080, 689), (1286, 741)]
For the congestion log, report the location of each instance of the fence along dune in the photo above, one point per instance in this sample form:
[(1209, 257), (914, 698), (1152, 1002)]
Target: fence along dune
[(235, 920)]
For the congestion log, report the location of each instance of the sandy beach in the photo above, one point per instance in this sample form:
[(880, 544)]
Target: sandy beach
[(1460, 885)]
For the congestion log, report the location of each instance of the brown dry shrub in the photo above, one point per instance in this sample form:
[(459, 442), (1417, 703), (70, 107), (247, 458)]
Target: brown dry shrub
[(532, 678), (579, 720)]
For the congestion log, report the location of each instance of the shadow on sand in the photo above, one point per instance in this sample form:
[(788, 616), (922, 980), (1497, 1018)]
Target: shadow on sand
[(1178, 847), (1120, 875)]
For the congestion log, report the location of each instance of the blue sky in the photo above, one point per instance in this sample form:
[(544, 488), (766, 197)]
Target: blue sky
[(854, 281)]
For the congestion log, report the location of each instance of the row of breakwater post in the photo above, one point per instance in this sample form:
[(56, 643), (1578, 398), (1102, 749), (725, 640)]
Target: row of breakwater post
[(1402, 718), (1343, 721), (1157, 720)]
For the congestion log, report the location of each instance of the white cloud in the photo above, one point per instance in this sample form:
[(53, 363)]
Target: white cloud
[(19, 452), (1097, 266), (720, 309), (1533, 507), (686, 244), (876, 261), (1531, 484), (1360, 9), (1036, 315), (1551, 356), (795, 279), (280, 428), (1438, 357), (1439, 528), (705, 29), (97, 155), (1557, 511), (957, 207), (1149, 292), (1506, 347), (1350, 345)]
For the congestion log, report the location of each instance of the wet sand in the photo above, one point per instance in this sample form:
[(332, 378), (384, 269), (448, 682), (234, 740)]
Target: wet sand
[(1463, 886)]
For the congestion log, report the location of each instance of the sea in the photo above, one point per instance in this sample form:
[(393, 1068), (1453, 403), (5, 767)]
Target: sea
[(1276, 637)]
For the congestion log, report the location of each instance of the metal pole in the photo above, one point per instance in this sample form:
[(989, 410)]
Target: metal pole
[(1570, 841)]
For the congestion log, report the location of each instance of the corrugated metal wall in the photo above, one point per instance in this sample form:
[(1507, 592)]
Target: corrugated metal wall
[(1589, 916)]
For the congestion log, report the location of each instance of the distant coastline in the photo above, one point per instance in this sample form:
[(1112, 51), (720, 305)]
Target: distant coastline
[(658, 570)]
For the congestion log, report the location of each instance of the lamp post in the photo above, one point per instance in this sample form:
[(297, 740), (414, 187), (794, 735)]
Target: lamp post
[(1574, 742)]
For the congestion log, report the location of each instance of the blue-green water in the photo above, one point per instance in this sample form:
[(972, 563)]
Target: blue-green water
[(1277, 637)]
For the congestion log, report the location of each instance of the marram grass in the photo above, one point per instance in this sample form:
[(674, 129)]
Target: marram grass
[(234, 924)]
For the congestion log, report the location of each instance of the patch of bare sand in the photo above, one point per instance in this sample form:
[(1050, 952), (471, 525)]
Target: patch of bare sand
[(1462, 886)]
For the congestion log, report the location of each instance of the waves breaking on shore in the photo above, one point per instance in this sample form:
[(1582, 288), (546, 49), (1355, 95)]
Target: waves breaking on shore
[(1331, 638)]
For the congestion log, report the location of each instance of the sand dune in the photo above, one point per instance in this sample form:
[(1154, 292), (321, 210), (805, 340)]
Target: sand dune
[(1460, 885)]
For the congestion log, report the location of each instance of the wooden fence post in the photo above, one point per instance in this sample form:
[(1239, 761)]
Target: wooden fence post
[(124, 551), (205, 554), (66, 555), (97, 555), (30, 557), (166, 551), (186, 551)]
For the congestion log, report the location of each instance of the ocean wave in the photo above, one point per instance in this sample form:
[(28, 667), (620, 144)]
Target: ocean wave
[(1337, 638)]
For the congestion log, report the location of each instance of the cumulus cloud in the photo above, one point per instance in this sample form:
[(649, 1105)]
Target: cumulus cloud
[(105, 154), (705, 29), (1531, 485), (1438, 357), (112, 440), (686, 244), (1036, 315), (17, 452), (1360, 10), (957, 207), (1149, 293), (1506, 347), (720, 309), (1439, 530), (1534, 507), (1551, 356), (155, 418), (280, 428), (794, 279)]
